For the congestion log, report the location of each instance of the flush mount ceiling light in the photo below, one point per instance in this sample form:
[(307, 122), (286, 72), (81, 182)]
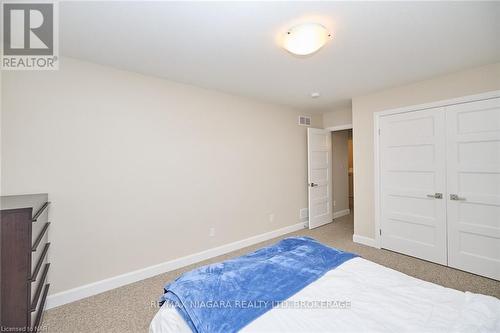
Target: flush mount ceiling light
[(307, 38)]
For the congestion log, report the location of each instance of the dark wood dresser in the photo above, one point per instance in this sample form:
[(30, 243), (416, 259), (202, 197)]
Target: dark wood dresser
[(24, 267)]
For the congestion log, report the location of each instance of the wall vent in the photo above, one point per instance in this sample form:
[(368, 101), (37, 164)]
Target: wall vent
[(304, 120)]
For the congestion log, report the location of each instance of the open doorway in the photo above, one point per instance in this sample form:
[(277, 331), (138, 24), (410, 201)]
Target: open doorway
[(330, 176), (342, 173)]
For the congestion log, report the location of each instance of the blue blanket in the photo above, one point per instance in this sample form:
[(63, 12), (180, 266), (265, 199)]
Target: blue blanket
[(226, 296)]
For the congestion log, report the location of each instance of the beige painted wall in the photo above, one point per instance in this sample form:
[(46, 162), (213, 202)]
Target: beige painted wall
[(469, 82), (138, 169), (340, 166), (338, 117)]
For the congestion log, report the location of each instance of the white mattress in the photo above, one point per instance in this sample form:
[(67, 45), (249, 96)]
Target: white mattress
[(375, 299)]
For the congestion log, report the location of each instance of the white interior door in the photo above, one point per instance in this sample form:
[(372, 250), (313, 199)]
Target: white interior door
[(473, 149), (413, 183), (319, 162)]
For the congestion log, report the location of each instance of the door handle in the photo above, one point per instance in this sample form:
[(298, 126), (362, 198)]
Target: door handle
[(456, 197), (313, 185), (435, 195)]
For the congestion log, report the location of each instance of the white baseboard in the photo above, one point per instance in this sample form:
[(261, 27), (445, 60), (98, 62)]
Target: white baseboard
[(341, 213), (98, 287), (365, 241)]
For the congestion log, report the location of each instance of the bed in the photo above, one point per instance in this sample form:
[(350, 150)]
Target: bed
[(360, 296)]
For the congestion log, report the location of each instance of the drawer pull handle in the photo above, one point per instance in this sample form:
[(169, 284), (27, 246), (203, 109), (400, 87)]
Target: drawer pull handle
[(40, 236), (39, 287), (39, 263), (40, 211), (40, 310)]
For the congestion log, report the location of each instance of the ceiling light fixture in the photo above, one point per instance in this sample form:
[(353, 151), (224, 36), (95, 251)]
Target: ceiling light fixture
[(307, 38)]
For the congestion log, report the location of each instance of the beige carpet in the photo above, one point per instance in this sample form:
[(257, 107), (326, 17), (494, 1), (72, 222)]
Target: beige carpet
[(131, 308)]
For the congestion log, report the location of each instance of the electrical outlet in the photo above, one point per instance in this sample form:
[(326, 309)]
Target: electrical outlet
[(303, 213), (211, 232), (271, 217)]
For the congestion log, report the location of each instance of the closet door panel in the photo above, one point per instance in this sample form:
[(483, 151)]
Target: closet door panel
[(412, 167), (473, 184)]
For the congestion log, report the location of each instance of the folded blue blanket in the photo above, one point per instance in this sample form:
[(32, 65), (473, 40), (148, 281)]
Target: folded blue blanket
[(226, 296)]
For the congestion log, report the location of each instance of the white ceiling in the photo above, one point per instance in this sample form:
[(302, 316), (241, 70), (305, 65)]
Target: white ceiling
[(232, 46)]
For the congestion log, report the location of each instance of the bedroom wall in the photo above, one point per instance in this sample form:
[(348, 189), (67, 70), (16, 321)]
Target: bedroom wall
[(338, 117), (340, 168), (468, 82), (139, 169)]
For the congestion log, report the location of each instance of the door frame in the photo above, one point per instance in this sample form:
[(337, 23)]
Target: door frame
[(376, 142), (339, 127)]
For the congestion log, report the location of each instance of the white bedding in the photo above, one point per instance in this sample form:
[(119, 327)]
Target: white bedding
[(380, 299)]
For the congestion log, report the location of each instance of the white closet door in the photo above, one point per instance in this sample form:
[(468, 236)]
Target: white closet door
[(473, 149), (412, 179)]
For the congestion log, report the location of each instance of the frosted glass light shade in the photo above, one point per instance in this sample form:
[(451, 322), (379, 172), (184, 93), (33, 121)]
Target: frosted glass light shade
[(305, 38)]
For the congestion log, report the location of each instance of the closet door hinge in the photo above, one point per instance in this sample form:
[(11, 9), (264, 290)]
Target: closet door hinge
[(380, 232), (379, 131)]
